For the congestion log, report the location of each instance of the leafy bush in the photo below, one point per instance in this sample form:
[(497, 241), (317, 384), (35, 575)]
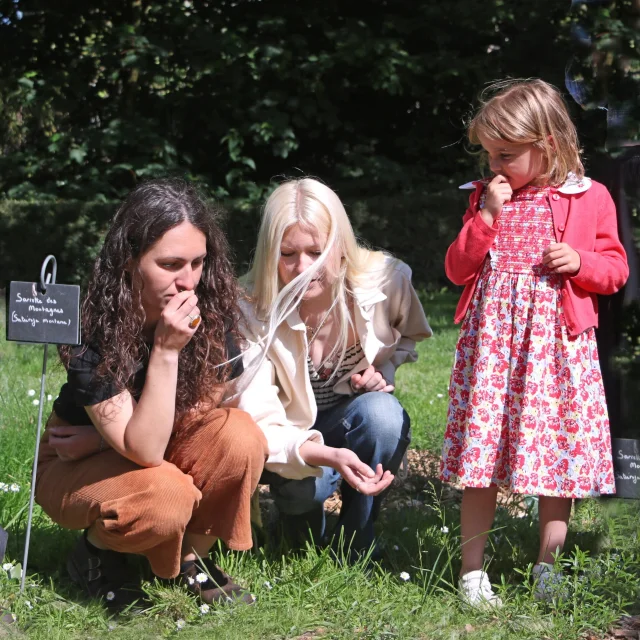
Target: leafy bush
[(70, 230)]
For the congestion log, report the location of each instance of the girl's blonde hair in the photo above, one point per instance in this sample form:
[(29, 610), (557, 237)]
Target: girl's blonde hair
[(530, 112), (316, 208)]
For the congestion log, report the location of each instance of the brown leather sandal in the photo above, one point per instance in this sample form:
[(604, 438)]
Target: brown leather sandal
[(211, 584), (102, 573)]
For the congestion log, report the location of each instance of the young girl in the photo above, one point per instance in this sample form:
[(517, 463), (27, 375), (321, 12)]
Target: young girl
[(527, 408)]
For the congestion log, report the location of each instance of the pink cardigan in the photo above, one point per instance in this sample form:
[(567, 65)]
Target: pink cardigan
[(584, 217)]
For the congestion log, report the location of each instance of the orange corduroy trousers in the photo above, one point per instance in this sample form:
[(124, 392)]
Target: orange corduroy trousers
[(204, 486)]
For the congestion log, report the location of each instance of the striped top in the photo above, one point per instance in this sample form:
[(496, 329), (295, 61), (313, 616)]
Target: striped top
[(324, 394)]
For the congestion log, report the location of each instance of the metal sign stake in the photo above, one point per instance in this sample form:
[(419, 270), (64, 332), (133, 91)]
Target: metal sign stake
[(50, 279)]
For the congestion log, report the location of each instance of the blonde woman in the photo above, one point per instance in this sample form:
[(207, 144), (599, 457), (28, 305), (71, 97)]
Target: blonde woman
[(328, 324)]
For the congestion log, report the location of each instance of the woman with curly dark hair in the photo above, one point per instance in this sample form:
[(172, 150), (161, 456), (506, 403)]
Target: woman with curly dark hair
[(165, 471)]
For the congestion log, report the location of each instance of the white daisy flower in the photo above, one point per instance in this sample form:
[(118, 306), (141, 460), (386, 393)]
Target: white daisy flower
[(405, 576), (28, 604), (31, 392), (110, 596), (111, 626), (36, 402), (190, 580), (180, 624), (396, 547), (4, 487), (202, 578), (49, 397), (267, 584), (445, 529), (204, 608), (440, 395), (7, 566), (14, 488)]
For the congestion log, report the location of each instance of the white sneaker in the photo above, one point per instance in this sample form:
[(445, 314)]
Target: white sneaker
[(475, 589), (546, 581)]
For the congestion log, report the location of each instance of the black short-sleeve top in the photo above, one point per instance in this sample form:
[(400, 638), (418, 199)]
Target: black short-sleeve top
[(83, 388)]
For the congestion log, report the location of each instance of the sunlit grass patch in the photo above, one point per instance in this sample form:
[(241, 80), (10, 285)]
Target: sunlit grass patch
[(310, 595)]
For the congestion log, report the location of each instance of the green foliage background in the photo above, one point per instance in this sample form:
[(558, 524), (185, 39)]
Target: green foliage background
[(371, 97), (97, 95)]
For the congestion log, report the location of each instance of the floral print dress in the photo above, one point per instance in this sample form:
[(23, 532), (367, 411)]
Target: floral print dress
[(527, 408)]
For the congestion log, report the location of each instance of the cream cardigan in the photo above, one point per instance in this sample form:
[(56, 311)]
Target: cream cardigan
[(389, 320)]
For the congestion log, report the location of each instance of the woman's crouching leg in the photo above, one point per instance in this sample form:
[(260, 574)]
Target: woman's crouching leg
[(224, 451), (130, 509)]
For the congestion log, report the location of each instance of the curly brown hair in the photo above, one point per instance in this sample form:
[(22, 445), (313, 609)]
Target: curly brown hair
[(112, 312)]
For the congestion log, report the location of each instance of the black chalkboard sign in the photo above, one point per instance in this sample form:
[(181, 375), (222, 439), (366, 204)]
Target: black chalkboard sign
[(51, 317), (626, 467)]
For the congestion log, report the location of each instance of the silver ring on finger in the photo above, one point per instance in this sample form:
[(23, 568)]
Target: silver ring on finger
[(194, 320)]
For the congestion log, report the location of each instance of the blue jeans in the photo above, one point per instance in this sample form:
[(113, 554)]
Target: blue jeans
[(374, 426)]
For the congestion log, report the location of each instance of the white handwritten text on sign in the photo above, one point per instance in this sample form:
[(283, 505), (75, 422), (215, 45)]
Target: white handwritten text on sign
[(34, 316), (626, 467)]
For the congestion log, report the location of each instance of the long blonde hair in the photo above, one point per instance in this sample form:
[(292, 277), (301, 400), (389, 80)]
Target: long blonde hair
[(316, 208), (530, 112)]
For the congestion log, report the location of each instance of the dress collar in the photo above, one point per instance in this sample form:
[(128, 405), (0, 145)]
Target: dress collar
[(572, 184)]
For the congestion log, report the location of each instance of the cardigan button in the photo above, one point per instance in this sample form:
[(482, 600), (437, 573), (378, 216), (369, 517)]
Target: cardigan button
[(555, 196), (561, 228)]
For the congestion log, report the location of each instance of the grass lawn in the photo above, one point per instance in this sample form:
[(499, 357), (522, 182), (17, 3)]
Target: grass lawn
[(309, 595)]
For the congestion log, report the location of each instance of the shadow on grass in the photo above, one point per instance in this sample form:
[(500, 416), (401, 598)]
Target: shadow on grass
[(418, 529), (419, 534)]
